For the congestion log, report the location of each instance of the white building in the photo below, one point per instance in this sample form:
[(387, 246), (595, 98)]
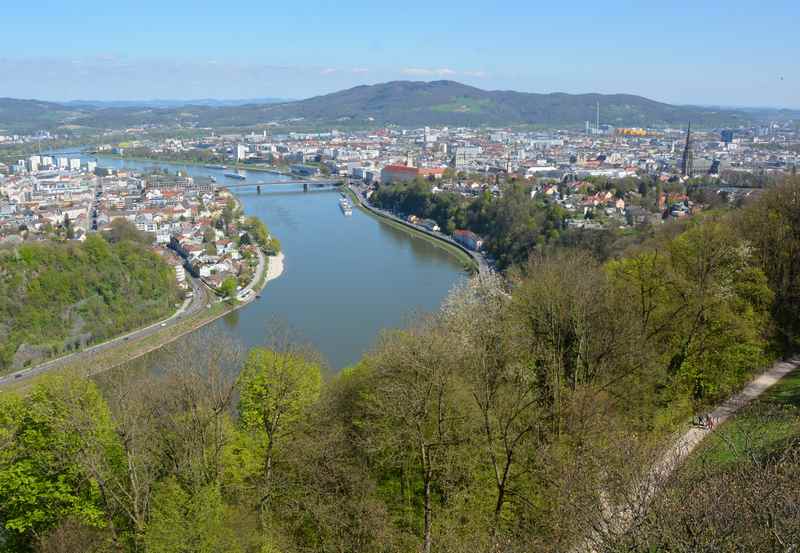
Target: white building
[(464, 156), (75, 164), (241, 152)]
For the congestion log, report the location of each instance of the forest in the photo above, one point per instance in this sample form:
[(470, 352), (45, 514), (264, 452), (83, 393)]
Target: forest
[(58, 296), (508, 421)]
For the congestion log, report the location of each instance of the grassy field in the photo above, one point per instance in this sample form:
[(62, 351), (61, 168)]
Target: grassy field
[(464, 105), (761, 428)]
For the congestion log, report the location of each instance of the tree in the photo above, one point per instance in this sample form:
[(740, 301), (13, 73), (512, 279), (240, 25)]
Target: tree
[(275, 389), (181, 521), (419, 413), (569, 330), (772, 226), (502, 389), (273, 246), (258, 230), (228, 287), (122, 229), (702, 305), (229, 211), (45, 436)]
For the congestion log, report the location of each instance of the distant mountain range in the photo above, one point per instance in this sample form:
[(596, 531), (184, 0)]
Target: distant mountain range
[(208, 102), (403, 103)]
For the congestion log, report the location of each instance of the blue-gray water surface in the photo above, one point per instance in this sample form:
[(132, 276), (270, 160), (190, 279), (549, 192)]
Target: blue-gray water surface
[(345, 278)]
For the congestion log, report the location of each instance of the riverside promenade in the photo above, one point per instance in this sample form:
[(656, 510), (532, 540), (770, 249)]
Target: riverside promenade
[(481, 265)]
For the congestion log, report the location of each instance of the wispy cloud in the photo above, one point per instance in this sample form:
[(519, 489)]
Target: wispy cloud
[(476, 74), (328, 71), (427, 72), (359, 70)]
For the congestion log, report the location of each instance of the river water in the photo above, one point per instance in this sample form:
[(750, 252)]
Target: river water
[(345, 278)]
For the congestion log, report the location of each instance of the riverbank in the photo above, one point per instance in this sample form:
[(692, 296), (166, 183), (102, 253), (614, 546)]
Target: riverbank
[(91, 363), (207, 165), (473, 262), (275, 267), (101, 358)]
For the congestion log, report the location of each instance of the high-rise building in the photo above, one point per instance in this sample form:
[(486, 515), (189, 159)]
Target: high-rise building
[(75, 164), (241, 152), (726, 136), (33, 163)]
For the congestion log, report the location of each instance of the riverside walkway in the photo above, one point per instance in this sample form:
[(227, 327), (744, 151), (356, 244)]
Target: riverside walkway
[(482, 265)]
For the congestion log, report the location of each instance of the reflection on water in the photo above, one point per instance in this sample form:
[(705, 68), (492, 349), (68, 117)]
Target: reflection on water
[(231, 319)]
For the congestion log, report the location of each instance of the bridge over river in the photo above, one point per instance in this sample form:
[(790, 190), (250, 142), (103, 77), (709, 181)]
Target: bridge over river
[(307, 184)]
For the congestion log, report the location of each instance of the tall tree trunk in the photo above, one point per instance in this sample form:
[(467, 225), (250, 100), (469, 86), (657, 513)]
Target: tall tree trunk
[(267, 482), (426, 543)]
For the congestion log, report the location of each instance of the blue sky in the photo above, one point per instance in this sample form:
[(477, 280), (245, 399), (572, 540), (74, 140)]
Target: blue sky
[(705, 52)]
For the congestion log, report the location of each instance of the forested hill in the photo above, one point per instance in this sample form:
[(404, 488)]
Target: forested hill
[(409, 103), (404, 103), (56, 296)]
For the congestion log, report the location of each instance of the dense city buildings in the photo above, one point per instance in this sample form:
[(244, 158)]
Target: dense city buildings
[(196, 221), (599, 178)]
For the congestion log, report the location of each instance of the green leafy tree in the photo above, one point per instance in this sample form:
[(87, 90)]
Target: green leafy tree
[(275, 390), (122, 229), (228, 287), (181, 522), (46, 436), (229, 212), (273, 246), (258, 230)]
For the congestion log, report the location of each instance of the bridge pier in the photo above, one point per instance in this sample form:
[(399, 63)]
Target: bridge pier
[(258, 189), (305, 187)]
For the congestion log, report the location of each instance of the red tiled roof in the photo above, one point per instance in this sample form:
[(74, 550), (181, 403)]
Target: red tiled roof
[(401, 169)]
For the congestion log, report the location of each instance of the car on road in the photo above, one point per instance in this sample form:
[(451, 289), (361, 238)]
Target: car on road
[(163, 324)]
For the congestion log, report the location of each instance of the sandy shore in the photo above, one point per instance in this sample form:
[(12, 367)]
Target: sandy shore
[(275, 267)]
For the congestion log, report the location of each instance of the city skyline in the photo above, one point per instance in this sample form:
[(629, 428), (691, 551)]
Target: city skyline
[(731, 55)]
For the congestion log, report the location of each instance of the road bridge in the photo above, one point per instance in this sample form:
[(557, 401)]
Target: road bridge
[(307, 184)]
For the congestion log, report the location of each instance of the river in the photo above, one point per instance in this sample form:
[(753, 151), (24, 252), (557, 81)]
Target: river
[(345, 278)]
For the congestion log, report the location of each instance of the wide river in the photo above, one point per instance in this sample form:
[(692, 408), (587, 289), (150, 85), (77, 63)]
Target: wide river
[(345, 278)]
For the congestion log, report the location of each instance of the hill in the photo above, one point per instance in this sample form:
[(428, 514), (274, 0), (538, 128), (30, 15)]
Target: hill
[(409, 103), (57, 296), (170, 103), (31, 115), (404, 103)]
